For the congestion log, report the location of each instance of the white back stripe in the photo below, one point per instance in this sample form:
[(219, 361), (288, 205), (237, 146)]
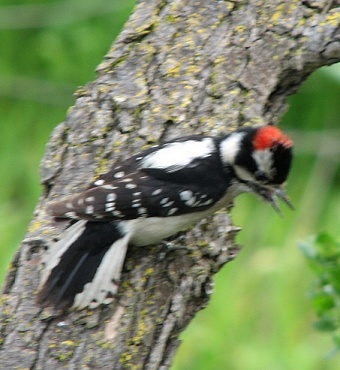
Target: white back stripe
[(230, 146), (177, 155)]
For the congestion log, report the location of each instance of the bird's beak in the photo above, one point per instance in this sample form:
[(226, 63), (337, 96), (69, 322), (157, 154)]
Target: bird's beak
[(282, 195), (271, 194)]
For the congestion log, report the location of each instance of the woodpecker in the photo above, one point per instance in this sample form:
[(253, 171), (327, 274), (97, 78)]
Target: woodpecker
[(151, 196)]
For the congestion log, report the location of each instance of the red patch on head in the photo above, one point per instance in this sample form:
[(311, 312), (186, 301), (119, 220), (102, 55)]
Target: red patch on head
[(270, 136)]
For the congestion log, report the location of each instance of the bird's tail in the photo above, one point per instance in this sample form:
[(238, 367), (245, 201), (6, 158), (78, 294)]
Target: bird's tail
[(83, 268)]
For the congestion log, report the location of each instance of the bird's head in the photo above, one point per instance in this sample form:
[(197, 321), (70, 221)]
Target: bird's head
[(261, 159)]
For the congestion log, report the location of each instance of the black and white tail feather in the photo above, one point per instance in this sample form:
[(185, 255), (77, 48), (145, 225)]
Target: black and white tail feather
[(83, 268), (151, 196)]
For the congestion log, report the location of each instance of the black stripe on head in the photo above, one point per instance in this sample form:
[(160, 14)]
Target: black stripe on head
[(282, 158), (244, 157)]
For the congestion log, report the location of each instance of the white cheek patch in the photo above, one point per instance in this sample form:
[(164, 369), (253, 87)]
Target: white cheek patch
[(264, 161), (177, 155)]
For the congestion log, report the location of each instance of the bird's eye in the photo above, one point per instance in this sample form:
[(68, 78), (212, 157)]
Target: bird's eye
[(261, 176)]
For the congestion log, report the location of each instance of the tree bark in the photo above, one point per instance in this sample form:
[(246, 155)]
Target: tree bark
[(178, 67)]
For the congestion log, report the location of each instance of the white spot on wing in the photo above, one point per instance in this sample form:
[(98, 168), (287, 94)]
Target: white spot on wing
[(118, 175), (157, 191), (130, 186), (99, 182), (186, 195), (109, 207), (90, 199), (109, 187), (89, 210), (206, 203), (168, 204), (111, 197), (172, 211), (80, 201), (177, 155), (191, 201), (70, 214), (164, 200)]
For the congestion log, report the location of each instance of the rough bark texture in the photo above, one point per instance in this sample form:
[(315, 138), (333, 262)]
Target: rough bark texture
[(179, 67)]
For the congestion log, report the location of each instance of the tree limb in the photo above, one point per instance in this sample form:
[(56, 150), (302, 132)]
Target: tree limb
[(178, 67)]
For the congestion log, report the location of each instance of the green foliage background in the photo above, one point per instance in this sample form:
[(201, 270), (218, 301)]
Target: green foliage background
[(259, 316)]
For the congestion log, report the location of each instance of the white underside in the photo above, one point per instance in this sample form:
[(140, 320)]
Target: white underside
[(146, 231), (153, 229)]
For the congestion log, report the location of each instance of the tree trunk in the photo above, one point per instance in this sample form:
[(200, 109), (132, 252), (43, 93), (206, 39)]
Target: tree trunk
[(179, 67)]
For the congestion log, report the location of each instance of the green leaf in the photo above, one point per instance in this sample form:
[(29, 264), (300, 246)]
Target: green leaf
[(323, 255), (325, 324)]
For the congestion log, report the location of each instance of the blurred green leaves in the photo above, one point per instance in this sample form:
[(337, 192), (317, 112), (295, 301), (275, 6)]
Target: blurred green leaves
[(323, 255), (51, 13)]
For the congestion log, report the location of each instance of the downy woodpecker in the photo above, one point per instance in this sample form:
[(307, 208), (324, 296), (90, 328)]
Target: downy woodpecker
[(151, 196)]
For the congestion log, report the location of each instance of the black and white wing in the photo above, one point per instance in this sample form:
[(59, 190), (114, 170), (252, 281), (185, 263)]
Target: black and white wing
[(175, 179)]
